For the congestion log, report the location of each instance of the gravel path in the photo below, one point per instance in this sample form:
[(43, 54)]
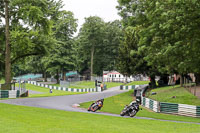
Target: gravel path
[(67, 102)]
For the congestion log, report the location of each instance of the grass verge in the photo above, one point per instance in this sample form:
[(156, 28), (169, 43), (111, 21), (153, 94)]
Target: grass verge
[(45, 91), (80, 84), (90, 84), (138, 83), (116, 103), (21, 119), (174, 94)]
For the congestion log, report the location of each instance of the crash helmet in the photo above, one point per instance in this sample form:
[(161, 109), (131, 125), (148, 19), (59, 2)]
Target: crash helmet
[(137, 100)]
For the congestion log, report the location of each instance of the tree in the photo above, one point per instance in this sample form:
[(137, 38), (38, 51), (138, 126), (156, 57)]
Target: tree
[(167, 32), (97, 45), (91, 37), (27, 24), (61, 57), (7, 51)]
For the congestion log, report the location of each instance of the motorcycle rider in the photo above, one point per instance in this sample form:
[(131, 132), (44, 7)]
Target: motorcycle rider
[(98, 102), (131, 109), (136, 102)]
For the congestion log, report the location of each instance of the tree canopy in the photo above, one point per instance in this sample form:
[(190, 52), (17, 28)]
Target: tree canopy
[(166, 32)]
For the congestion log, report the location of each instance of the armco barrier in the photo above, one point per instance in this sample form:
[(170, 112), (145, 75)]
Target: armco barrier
[(151, 104), (128, 87), (9, 93), (171, 108), (66, 89)]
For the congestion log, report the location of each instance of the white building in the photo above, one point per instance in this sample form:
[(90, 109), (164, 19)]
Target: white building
[(114, 76)]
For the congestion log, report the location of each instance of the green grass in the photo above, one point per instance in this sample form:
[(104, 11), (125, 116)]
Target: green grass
[(21, 119), (138, 83), (46, 93), (80, 85), (165, 94), (2, 81), (90, 84), (112, 84), (116, 104)]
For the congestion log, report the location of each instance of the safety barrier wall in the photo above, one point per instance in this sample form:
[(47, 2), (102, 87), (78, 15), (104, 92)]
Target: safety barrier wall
[(9, 93), (171, 108), (66, 89), (151, 104), (128, 87)]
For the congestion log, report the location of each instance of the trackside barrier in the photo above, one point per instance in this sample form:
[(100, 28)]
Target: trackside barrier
[(9, 93), (130, 87), (171, 108), (98, 89), (151, 104)]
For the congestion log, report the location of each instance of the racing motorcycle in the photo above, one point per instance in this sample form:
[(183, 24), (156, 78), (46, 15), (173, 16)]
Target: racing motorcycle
[(96, 105), (131, 109)]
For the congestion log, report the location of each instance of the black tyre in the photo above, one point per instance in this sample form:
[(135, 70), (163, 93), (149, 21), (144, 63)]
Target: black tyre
[(94, 108), (133, 113), (89, 109), (123, 113)]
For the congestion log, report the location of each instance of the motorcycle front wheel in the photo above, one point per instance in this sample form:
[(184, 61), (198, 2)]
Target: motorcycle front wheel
[(122, 113)]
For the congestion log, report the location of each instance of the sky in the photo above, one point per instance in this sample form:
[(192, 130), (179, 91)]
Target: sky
[(106, 9)]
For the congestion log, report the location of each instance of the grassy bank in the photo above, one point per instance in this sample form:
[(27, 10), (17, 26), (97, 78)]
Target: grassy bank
[(116, 103), (20, 119), (89, 84), (138, 83), (174, 94), (45, 91)]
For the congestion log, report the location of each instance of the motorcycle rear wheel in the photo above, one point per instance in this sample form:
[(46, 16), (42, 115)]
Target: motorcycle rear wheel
[(94, 109), (133, 113)]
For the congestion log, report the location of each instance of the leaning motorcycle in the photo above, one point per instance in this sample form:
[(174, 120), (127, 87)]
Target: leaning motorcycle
[(96, 105), (130, 110)]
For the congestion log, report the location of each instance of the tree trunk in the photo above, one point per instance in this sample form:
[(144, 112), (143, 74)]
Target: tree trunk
[(92, 58), (152, 82), (64, 75), (197, 78), (7, 52), (57, 77), (181, 80), (45, 76)]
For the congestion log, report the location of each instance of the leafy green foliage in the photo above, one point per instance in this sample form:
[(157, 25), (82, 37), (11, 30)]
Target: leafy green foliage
[(166, 32), (30, 27), (100, 41)]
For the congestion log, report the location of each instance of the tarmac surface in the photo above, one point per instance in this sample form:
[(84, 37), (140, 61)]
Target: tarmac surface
[(71, 102), (63, 102)]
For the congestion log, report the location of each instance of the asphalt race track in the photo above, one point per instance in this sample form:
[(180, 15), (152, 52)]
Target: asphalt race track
[(69, 102)]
